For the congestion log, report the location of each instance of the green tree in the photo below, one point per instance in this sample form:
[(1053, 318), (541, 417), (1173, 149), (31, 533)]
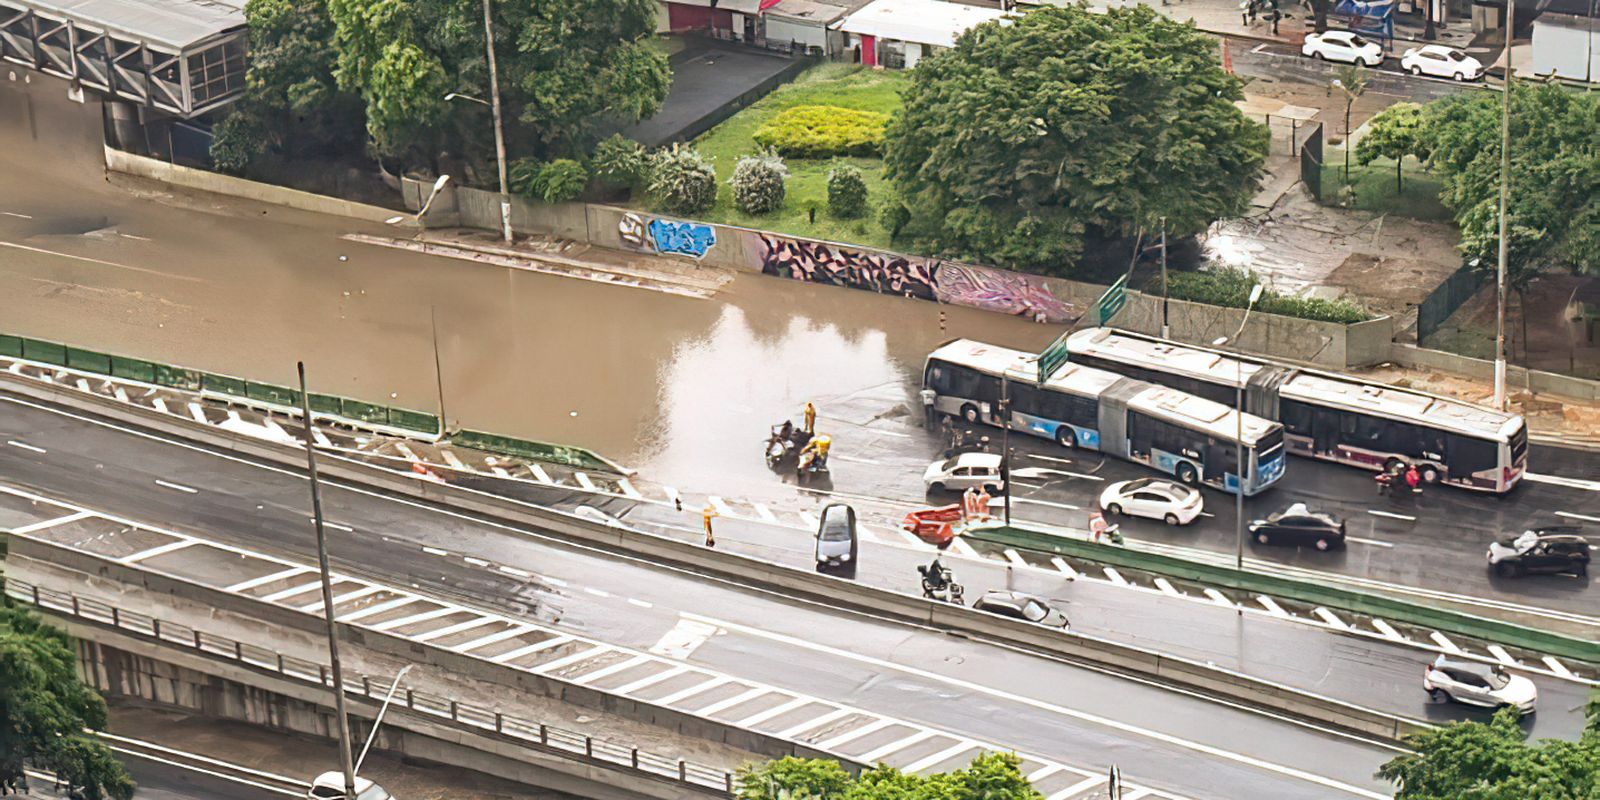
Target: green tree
[(1393, 133), (44, 710), (992, 776), (1494, 761), (792, 779), (292, 105), (1024, 138), (620, 162)]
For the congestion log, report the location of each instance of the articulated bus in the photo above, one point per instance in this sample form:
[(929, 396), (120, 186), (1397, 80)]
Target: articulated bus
[(1331, 417), (1189, 437)]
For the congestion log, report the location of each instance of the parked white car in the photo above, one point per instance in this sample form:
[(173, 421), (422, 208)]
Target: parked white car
[(330, 786), (1441, 62), (1345, 46), (964, 472), (1171, 502), (1475, 684)]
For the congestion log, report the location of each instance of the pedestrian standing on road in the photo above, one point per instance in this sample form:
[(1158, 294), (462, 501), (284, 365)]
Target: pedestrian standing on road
[(706, 514), (1413, 478), (811, 418)]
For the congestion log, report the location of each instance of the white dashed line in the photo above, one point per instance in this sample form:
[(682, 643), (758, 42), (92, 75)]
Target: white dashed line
[(15, 214), (1373, 542), (520, 573), (476, 562), (25, 446), (1051, 458), (641, 603), (1067, 506), (334, 525), (1572, 483), (1570, 515), (596, 592), (434, 551), (1391, 515), (177, 486)]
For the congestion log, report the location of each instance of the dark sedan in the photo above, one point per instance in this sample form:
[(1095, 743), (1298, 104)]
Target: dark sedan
[(1298, 526)]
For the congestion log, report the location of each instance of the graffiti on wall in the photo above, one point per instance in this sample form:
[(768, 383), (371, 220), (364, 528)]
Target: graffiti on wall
[(887, 273), (693, 239)]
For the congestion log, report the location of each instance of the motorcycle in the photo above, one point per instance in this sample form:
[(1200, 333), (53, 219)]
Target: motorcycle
[(811, 467), (781, 446), (965, 442), (939, 584)]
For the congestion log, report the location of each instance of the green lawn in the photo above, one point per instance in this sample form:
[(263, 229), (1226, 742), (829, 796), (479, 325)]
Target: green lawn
[(1374, 187), (845, 85)]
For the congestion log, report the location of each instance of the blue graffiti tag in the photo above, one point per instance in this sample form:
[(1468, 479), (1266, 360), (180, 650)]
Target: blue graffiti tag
[(684, 238)]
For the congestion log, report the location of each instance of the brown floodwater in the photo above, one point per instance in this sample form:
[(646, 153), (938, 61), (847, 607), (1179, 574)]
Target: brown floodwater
[(672, 384)]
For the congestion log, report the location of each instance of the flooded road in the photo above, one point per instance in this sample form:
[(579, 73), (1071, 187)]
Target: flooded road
[(678, 386)]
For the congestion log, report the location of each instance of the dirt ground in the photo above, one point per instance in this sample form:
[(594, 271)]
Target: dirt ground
[(1562, 326)]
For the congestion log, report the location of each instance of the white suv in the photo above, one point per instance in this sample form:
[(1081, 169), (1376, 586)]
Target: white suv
[(1345, 46), (964, 472)]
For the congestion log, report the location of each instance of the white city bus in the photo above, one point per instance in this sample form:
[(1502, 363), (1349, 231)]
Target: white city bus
[(1189, 437), (1327, 416)]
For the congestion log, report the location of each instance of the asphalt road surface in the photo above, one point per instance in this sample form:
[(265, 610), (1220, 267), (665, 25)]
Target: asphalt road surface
[(1165, 738)]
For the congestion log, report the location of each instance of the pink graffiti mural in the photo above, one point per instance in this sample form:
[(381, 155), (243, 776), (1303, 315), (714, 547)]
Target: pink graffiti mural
[(1000, 290), (888, 273)]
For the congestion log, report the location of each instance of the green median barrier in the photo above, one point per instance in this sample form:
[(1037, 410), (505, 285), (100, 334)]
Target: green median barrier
[(89, 361), (133, 369), (363, 412), (413, 420), (576, 457), (11, 346), (268, 393), (1375, 605), (324, 404), (178, 378), (47, 352), (223, 384)]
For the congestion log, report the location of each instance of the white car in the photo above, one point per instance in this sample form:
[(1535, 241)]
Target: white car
[(964, 472), (1173, 503), (330, 786), (1479, 685), (1343, 46), (1441, 62)]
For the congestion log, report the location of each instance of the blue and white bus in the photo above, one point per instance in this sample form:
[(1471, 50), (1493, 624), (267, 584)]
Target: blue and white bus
[(1188, 437)]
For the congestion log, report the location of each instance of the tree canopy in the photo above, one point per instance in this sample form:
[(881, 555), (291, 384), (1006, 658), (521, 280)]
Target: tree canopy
[(387, 65), (1494, 761), (1554, 202), (1394, 133), (1025, 137), (992, 776), (44, 710)]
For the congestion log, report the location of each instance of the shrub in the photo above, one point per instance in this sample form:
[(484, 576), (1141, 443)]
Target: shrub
[(824, 131), (1231, 288), (847, 192), (239, 140), (758, 183), (620, 162), (682, 181), (894, 218), (558, 181)]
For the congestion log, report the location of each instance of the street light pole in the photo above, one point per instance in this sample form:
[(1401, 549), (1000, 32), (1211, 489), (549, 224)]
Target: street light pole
[(327, 589), (1166, 332), (371, 737), (499, 128), (1005, 443), (1238, 403), (1505, 191)]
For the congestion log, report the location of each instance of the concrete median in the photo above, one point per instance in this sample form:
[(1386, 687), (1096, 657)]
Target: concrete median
[(799, 584)]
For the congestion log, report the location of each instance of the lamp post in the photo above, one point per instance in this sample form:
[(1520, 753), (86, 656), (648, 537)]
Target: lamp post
[(381, 711), (1166, 331), (499, 127), (1005, 444), (1505, 191), (1238, 402), (327, 590)]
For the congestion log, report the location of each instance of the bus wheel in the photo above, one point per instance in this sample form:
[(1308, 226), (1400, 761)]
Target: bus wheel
[(1065, 437), (1187, 474), (1393, 465), (1429, 475), (969, 412)]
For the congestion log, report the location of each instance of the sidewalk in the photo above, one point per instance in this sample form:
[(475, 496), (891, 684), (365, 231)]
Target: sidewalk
[(1226, 18)]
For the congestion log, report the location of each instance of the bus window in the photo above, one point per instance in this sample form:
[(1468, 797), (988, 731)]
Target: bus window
[(1026, 399), (1295, 416), (1085, 412), (988, 390), (1465, 455)]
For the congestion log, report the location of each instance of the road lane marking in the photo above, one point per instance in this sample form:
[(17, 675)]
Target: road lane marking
[(26, 446), (1558, 668), (1066, 506), (650, 680), (776, 711), (176, 486), (434, 551), (641, 603), (1015, 558), (935, 759), (1051, 458), (450, 630), (340, 527), (1218, 597), (133, 237), (685, 694), (856, 733), (596, 592), (291, 591), (1329, 617), (156, 551), (875, 756), (584, 481), (365, 591), (484, 641), (1388, 630), (1570, 515), (1077, 788), (1114, 576), (15, 214), (101, 262), (1048, 707), (683, 639), (1502, 656), (764, 513), (554, 641), (1065, 568), (720, 505), (1390, 514), (539, 474), (266, 579), (727, 703), (815, 722), (476, 562), (1271, 606), (1167, 588), (1373, 542), (627, 488), (1444, 643), (620, 666), (1571, 483), (574, 658), (960, 546)]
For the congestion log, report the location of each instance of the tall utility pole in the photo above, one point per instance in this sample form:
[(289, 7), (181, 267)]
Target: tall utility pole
[(499, 128), (438, 370), (1005, 443), (1505, 190), (1165, 331), (345, 762)]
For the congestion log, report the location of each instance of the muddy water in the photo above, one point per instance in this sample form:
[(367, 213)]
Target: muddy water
[(681, 386)]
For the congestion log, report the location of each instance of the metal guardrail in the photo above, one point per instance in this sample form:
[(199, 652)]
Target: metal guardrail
[(548, 738)]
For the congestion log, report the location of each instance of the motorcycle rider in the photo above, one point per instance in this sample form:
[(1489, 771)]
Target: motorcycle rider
[(1413, 479), (815, 451), (934, 576)]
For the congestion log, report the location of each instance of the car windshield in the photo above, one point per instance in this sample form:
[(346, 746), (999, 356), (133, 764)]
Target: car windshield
[(1136, 485), (1455, 55), (1357, 41), (1035, 610), (1498, 679), (835, 530), (949, 464)]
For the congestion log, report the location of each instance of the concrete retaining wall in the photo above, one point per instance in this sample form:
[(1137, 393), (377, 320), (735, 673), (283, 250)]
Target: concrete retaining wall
[(801, 585), (1326, 344), (217, 183), (1517, 378)]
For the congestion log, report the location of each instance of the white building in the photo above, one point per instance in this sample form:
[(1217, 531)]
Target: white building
[(898, 33)]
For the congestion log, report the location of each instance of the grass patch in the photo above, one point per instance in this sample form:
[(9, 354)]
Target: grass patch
[(843, 85), (1372, 188)]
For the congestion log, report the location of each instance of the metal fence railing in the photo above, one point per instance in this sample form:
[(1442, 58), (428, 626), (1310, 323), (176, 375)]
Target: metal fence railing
[(483, 721), (1445, 299), (1310, 137)]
